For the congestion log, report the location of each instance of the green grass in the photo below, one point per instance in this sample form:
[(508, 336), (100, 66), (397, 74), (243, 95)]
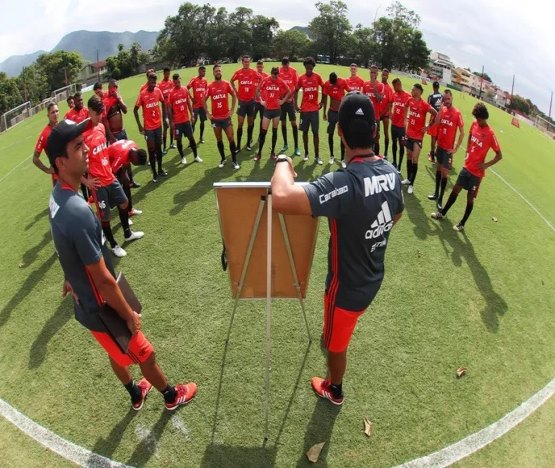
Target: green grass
[(483, 299)]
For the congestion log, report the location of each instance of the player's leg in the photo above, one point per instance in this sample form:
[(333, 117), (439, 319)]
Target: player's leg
[(275, 123), (151, 148), (304, 129), (250, 124), (159, 152), (219, 142), (315, 125), (440, 162), (165, 126), (179, 141), (445, 168), (283, 120), (241, 112), (188, 132), (228, 129), (264, 123), (386, 127), (293, 120), (417, 147), (408, 145), (332, 121), (377, 139), (395, 141)]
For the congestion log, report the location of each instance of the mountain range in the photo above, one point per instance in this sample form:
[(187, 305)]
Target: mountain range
[(87, 43)]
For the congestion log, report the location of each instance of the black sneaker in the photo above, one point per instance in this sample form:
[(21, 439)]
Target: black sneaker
[(433, 196), (134, 185), (162, 173)]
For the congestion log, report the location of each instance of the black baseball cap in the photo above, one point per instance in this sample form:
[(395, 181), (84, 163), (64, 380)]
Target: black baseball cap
[(356, 113), (61, 135)]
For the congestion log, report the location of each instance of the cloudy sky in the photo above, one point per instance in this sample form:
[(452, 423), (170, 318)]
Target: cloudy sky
[(505, 36)]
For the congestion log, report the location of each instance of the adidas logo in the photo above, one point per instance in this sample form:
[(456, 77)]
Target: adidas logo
[(383, 223), (359, 111)]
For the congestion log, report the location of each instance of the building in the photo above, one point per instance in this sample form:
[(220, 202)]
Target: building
[(438, 63), (91, 72)]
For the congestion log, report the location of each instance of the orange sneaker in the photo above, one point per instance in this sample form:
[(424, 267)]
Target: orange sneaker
[(184, 394), (322, 388), (145, 387)]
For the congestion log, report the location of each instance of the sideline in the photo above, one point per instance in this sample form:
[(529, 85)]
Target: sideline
[(54, 442), (474, 442), (27, 159), (441, 458)]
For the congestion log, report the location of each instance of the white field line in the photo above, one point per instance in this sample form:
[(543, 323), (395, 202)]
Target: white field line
[(14, 168), (474, 442), (53, 442), (524, 198)]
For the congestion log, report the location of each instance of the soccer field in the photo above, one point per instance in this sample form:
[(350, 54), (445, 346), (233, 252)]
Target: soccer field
[(482, 299)]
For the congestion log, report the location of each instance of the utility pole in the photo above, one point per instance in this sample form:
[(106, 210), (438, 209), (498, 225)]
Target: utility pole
[(512, 88), (550, 102), (481, 82), (97, 67)]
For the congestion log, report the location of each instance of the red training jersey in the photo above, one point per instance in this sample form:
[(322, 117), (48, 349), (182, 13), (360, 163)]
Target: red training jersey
[(387, 98), (289, 75), (481, 140), (248, 79), (77, 115), (335, 92), (178, 99), (200, 86), (375, 91), (43, 138), (354, 83), (149, 101), (261, 76), (166, 86), (271, 91), (417, 118), (218, 91), (309, 85), (118, 154), (99, 160), (400, 100), (450, 119)]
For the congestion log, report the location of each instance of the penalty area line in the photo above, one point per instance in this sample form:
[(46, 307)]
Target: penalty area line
[(474, 442), (54, 442), (14, 168)]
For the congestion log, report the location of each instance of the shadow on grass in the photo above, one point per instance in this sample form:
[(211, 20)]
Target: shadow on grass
[(319, 429), (147, 447), (244, 457), (107, 446), (39, 348), (31, 255), (37, 218), (26, 288)]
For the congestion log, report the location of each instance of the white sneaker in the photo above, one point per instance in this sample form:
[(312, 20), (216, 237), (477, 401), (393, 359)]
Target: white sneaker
[(410, 189), (134, 236), (318, 161), (119, 252), (183, 160), (343, 165), (130, 222), (222, 163), (458, 227), (305, 157), (332, 160), (135, 211), (405, 182), (437, 215), (197, 159), (236, 166)]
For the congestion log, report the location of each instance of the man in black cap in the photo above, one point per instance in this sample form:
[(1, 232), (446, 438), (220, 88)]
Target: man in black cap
[(362, 203), (89, 275)]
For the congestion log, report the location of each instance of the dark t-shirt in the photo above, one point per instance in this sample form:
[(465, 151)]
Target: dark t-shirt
[(360, 203), (435, 100), (79, 241)]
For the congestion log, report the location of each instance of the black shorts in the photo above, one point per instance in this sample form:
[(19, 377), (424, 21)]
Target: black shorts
[(154, 136), (444, 158), (409, 144), (272, 113), (200, 113), (310, 119), (333, 118), (397, 132), (121, 135), (469, 181), (246, 108), (288, 109), (184, 128), (107, 197), (258, 109), (223, 123)]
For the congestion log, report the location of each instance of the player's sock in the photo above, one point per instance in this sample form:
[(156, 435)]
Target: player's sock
[(165, 138), (337, 390), (414, 171), (452, 199), (467, 211), (274, 139), (376, 147), (133, 390), (124, 219), (284, 134), (438, 182), (180, 147), (169, 394), (193, 145), (296, 136), (159, 158), (233, 149), (409, 168), (221, 149), (201, 130), (108, 233), (261, 140), (386, 146), (394, 149), (250, 129), (443, 184), (401, 154), (330, 144), (239, 136), (342, 146), (130, 174)]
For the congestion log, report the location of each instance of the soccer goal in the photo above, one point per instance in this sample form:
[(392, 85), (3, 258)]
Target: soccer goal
[(62, 94), (544, 125), (15, 115)]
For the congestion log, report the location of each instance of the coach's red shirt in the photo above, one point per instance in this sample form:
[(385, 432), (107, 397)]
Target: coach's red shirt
[(178, 99), (99, 159), (309, 86), (150, 103), (417, 118), (218, 92), (248, 80), (481, 140)]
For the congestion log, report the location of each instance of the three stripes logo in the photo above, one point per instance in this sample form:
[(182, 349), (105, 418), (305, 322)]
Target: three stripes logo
[(382, 224)]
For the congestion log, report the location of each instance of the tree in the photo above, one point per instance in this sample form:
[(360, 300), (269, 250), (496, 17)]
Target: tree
[(362, 44), (331, 29), (292, 44), (32, 84), (239, 35), (263, 32), (520, 104), (60, 68), (10, 96), (126, 62)]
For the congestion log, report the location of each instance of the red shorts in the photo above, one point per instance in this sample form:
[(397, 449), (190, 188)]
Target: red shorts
[(339, 325), (432, 131), (139, 350)]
